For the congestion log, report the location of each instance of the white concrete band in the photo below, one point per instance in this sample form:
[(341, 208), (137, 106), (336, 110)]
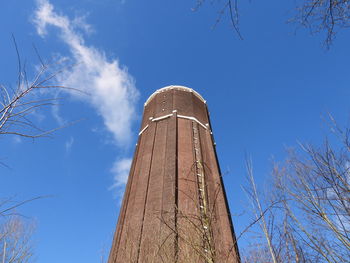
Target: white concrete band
[(143, 130), (206, 126), (177, 87), (194, 119)]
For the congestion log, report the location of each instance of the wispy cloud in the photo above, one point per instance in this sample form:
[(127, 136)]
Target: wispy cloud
[(68, 145), (55, 110), (120, 170), (17, 139), (112, 89)]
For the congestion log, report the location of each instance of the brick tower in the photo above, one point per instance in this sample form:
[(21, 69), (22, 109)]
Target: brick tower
[(175, 207)]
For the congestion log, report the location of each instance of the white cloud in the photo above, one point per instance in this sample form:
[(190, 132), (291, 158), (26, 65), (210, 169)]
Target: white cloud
[(120, 169), (111, 88), (55, 110), (17, 139), (68, 145)]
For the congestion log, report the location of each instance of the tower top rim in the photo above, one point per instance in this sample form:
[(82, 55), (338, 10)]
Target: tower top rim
[(177, 87)]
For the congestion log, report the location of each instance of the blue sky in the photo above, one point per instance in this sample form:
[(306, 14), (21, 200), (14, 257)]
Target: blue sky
[(264, 93)]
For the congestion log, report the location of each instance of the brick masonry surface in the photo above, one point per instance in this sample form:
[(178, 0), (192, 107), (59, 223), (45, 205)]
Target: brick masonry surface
[(175, 207)]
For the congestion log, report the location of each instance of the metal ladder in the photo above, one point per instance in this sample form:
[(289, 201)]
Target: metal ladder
[(202, 197)]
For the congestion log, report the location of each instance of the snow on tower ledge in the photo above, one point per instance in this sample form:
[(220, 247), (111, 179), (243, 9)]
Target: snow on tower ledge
[(177, 87)]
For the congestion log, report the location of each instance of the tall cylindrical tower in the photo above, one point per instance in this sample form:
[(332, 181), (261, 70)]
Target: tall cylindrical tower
[(175, 207)]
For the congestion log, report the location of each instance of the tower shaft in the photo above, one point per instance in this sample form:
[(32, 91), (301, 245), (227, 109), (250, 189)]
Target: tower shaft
[(175, 207)]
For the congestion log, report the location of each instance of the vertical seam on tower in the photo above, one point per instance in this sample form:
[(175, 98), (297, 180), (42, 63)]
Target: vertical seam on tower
[(176, 244), (144, 207), (164, 174)]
